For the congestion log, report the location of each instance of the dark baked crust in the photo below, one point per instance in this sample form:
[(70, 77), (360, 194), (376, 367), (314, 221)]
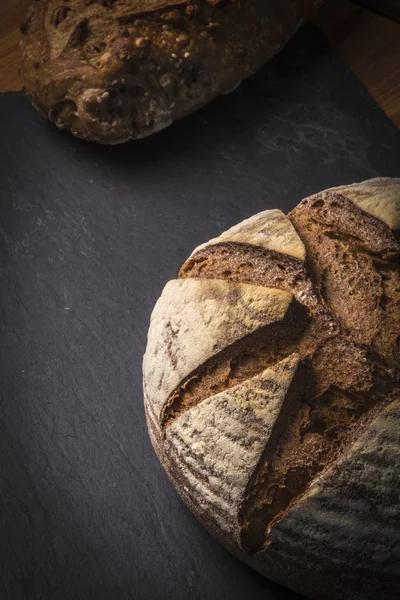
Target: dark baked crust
[(285, 443), (114, 70), (349, 286)]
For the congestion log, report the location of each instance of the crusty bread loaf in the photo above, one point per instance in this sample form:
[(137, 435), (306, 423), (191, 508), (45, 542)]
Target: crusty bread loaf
[(272, 391), (115, 70)]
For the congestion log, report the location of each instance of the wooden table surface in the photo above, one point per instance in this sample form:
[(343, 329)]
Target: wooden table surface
[(369, 44)]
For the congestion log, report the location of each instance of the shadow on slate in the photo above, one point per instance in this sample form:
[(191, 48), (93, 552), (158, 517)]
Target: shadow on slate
[(88, 237)]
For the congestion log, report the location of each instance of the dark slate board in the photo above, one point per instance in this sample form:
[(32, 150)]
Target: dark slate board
[(89, 235)]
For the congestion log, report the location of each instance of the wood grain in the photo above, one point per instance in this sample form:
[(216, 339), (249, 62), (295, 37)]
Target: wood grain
[(369, 44), (12, 14)]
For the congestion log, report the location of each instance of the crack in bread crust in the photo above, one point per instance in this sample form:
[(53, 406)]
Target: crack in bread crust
[(283, 474), (221, 440), (239, 362), (353, 259), (350, 288), (238, 261), (224, 312)]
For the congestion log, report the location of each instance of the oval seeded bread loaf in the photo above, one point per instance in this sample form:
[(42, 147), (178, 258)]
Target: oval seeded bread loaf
[(115, 70), (272, 394)]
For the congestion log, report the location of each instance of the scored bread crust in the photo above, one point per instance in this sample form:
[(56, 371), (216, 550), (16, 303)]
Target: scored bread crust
[(342, 539), (270, 230), (378, 196), (229, 433), (283, 436), (115, 70), (223, 313)]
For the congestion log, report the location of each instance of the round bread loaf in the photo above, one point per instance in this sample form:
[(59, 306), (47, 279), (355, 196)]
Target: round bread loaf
[(272, 395), (115, 70)]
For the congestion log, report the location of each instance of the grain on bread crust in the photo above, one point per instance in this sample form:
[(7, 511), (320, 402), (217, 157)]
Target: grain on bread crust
[(285, 441), (115, 70)]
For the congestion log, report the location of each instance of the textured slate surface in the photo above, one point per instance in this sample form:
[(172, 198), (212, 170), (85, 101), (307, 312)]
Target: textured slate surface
[(88, 237)]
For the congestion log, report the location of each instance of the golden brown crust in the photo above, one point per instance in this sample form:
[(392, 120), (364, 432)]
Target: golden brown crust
[(114, 70)]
